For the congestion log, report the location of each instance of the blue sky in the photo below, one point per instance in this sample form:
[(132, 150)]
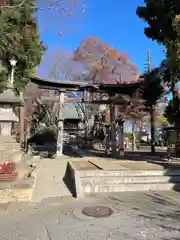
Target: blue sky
[(114, 22)]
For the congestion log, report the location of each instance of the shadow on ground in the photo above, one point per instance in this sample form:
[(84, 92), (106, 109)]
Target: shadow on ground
[(168, 210), (45, 145), (69, 180), (160, 209), (140, 155)]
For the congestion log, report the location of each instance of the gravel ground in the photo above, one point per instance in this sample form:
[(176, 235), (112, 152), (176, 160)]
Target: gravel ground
[(137, 216)]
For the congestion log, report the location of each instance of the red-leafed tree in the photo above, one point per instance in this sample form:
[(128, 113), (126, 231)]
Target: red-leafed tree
[(105, 64)]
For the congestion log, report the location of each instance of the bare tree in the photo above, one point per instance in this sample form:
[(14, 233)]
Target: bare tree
[(58, 64), (31, 94)]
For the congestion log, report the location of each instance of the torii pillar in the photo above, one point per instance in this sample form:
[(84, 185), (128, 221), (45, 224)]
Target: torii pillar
[(60, 126)]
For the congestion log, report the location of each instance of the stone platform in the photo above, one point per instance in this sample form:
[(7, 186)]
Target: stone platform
[(21, 188), (100, 175), (9, 150)]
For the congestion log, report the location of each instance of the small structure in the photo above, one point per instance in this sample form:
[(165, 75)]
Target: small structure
[(173, 141), (73, 123), (71, 117)]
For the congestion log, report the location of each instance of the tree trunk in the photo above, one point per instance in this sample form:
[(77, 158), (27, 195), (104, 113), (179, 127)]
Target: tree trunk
[(21, 122), (174, 90), (134, 148), (176, 104), (152, 113), (27, 136)]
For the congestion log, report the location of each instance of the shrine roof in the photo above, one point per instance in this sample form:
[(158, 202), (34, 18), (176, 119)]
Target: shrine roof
[(124, 88), (56, 84), (121, 88)]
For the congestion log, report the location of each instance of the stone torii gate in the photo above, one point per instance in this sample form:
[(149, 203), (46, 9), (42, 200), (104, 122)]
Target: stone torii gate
[(61, 87), (112, 90), (117, 94)]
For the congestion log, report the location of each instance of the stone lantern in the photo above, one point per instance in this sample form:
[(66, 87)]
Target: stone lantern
[(9, 148), (8, 145), (7, 116)]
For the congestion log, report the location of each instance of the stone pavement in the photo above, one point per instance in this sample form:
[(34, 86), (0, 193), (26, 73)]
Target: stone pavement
[(49, 182), (137, 216)]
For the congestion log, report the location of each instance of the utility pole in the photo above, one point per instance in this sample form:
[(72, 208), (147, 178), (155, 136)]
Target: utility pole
[(147, 65), (149, 61)]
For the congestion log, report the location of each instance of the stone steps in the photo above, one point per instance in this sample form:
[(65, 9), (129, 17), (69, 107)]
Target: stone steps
[(98, 181), (106, 165), (131, 179), (129, 173), (132, 187), (124, 183)]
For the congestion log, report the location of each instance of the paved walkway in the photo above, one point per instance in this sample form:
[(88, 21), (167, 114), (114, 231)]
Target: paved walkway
[(49, 182), (137, 216)]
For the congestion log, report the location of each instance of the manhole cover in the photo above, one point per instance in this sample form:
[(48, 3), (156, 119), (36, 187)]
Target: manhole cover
[(97, 211)]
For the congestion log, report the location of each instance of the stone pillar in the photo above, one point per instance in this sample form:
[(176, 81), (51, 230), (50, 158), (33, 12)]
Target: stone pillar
[(113, 131), (60, 126), (107, 139), (121, 137)]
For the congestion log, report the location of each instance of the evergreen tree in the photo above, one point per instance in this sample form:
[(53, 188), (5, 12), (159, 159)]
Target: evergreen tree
[(163, 25), (19, 40), (163, 20), (152, 92), (160, 17)]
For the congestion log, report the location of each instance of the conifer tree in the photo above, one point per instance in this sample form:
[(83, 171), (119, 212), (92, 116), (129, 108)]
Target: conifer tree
[(19, 40)]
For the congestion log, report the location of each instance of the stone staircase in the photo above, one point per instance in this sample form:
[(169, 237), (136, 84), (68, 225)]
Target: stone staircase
[(123, 180)]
